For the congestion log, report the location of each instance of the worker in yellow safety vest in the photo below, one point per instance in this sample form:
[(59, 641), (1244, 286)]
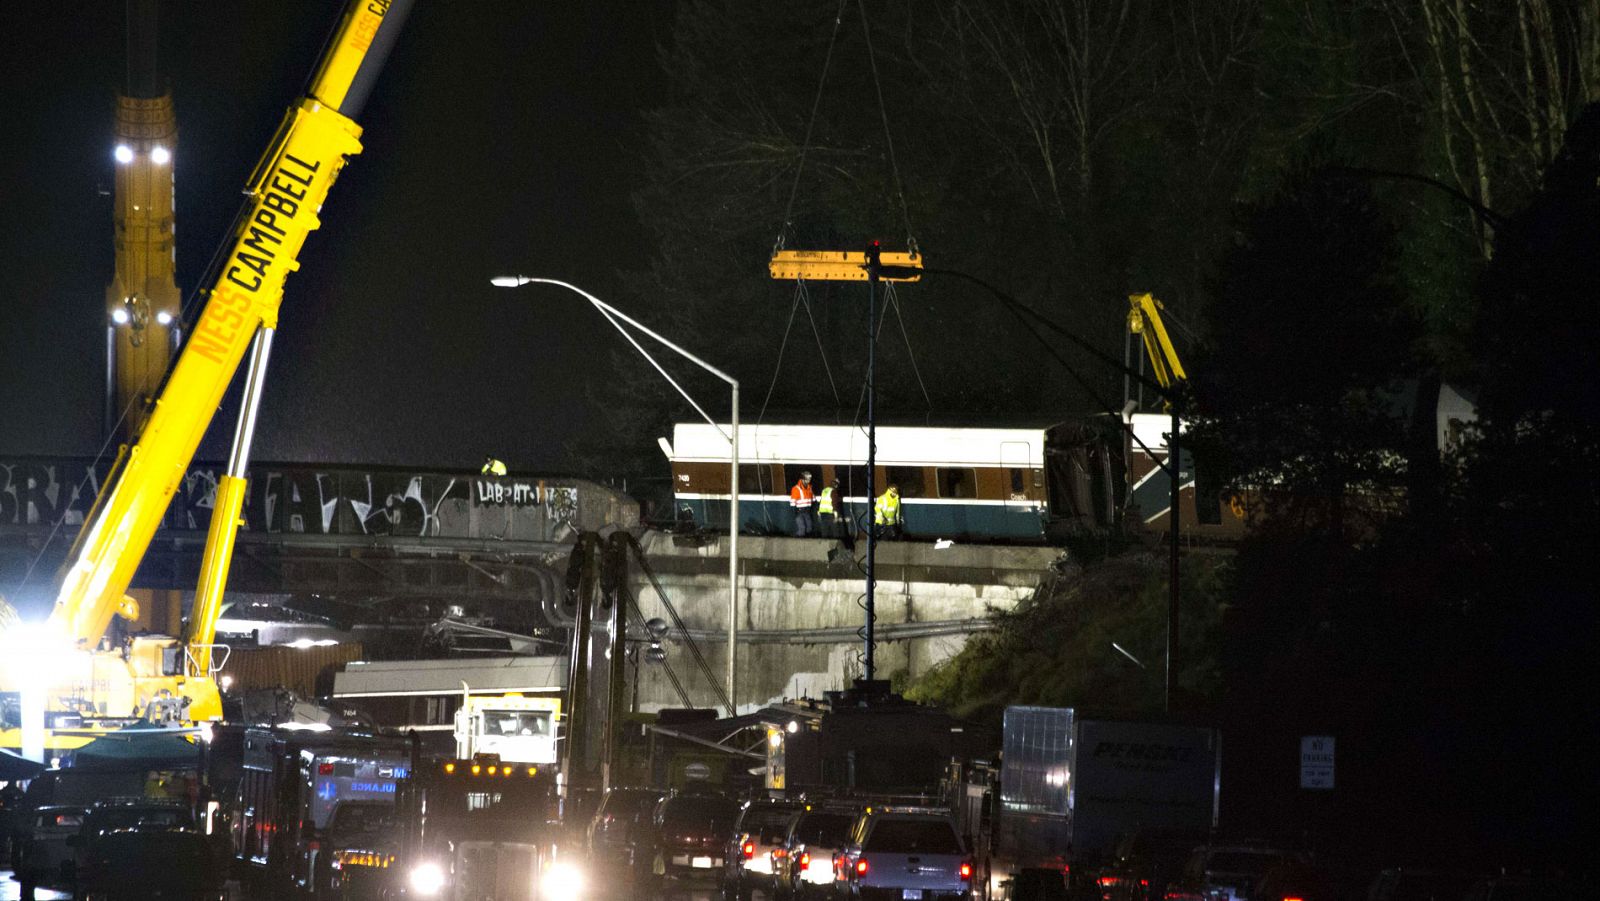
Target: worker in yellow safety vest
[(828, 516), (886, 513), (493, 467)]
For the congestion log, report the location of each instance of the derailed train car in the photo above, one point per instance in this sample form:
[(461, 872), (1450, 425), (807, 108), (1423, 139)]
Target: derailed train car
[(1024, 484)]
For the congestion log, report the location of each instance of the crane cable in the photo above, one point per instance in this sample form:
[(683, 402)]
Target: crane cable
[(802, 297), (888, 138), (891, 301), (805, 145)]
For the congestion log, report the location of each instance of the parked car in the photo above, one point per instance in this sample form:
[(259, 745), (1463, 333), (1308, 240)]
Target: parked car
[(904, 854), (804, 869), (688, 836), (361, 841), (145, 849), (1229, 872), (620, 830), (1299, 880), (757, 834), (1145, 865), (44, 858)]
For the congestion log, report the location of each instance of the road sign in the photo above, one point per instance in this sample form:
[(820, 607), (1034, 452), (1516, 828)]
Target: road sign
[(838, 265), (1316, 761)]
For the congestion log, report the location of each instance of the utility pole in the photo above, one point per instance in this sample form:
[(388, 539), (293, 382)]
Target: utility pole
[(870, 668), (1175, 470), (872, 266)]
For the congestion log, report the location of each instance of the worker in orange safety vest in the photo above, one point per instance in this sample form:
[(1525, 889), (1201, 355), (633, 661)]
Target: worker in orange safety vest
[(803, 500)]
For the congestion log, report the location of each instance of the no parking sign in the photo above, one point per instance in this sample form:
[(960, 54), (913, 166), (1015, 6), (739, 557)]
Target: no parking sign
[(1316, 761)]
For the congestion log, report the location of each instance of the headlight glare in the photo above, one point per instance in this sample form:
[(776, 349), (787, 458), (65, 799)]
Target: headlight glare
[(561, 880), (427, 878)]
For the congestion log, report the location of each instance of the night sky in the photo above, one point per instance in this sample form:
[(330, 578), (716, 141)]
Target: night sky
[(503, 137)]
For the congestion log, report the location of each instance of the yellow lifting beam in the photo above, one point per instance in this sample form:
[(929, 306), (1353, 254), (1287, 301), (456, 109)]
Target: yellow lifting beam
[(840, 266)]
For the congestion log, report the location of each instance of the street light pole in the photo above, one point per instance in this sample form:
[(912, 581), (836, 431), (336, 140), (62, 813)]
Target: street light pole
[(612, 314)]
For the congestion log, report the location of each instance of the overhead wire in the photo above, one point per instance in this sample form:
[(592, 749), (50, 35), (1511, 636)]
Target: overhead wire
[(1028, 317)]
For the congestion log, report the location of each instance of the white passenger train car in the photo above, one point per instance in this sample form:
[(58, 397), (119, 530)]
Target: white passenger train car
[(1031, 483), (954, 483)]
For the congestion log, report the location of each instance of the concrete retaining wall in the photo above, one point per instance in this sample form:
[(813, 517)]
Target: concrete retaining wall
[(798, 611)]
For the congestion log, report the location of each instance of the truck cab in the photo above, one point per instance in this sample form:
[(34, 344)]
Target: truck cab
[(482, 828), (511, 729)]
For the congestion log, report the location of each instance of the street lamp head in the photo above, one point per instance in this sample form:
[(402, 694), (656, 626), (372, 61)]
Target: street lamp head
[(120, 316), (509, 281)]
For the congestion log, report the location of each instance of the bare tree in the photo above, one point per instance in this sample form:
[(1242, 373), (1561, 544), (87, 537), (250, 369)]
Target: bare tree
[(1504, 78)]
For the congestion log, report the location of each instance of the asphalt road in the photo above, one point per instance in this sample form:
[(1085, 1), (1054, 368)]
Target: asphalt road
[(10, 891)]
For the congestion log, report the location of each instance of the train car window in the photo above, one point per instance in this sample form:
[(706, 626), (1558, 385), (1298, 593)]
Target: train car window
[(853, 480), (791, 474), (910, 480), (1017, 486), (756, 478), (960, 482)]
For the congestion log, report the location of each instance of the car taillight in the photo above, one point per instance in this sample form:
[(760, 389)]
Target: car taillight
[(749, 850), (861, 867), (966, 871), (1108, 882), (1292, 898), (805, 861)]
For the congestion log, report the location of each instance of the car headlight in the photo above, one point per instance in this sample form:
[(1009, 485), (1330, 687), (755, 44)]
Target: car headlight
[(561, 880), (427, 878)]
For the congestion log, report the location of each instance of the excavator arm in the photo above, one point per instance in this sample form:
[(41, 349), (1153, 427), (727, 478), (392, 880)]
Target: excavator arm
[(285, 196)]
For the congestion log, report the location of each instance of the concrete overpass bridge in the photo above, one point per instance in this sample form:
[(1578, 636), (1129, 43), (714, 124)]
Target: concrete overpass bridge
[(352, 532), (396, 546)]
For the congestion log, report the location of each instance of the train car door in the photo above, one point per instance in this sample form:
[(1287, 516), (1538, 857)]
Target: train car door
[(1015, 461)]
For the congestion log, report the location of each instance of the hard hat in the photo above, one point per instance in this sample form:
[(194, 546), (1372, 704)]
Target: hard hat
[(806, 474)]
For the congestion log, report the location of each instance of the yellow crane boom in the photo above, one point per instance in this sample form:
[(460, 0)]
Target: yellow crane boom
[(1144, 320), (286, 193)]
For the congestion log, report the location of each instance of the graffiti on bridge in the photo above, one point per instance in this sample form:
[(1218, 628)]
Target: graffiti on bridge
[(312, 501)]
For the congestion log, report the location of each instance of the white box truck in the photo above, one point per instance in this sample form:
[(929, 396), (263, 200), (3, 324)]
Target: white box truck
[(1071, 786)]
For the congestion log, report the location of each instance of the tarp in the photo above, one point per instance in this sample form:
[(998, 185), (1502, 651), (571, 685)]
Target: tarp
[(139, 748)]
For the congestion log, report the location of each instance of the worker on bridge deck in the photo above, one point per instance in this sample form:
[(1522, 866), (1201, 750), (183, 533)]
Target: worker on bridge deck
[(493, 467), (886, 513), (830, 506), (803, 500)]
